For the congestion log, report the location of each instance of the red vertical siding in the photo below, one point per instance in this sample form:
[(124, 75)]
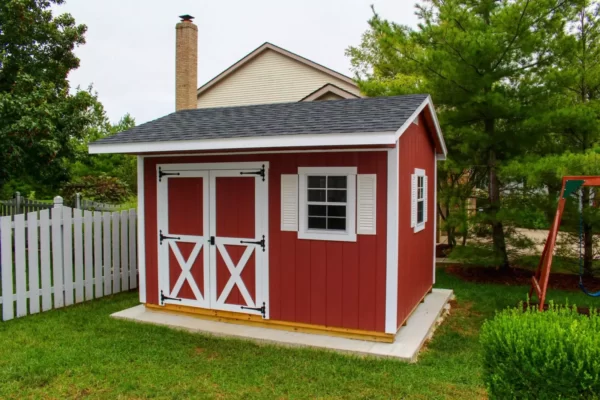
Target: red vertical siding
[(415, 250), (338, 284)]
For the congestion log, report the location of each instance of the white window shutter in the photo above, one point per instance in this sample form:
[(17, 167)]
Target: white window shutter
[(366, 204), (289, 203), (425, 198), (413, 200)]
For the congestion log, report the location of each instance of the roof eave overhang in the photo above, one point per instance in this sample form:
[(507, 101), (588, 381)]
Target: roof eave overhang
[(263, 142)]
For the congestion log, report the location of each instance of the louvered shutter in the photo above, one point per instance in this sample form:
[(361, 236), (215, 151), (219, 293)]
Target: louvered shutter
[(366, 204), (425, 198), (289, 203), (413, 200)]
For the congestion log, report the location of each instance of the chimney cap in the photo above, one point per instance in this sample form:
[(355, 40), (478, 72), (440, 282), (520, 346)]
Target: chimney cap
[(186, 18)]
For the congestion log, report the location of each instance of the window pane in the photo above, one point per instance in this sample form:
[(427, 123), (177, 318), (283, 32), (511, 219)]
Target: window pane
[(420, 212), (336, 196), (337, 224), (316, 181), (316, 195), (336, 211), (317, 211), (317, 223), (336, 182)]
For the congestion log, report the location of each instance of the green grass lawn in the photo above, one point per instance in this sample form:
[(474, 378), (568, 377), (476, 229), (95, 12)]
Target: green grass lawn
[(80, 352)]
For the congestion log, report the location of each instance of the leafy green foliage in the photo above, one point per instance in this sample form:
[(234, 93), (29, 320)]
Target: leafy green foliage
[(120, 166), (39, 118), (102, 188), (481, 61), (542, 355)]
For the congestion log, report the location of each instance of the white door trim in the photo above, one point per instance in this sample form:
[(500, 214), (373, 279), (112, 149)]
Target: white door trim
[(213, 166)]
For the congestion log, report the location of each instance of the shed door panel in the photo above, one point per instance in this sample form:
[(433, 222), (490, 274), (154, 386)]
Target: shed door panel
[(183, 228), (237, 227)]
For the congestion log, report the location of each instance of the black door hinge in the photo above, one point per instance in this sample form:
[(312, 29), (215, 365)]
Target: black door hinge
[(161, 173), (163, 298), (261, 243), (263, 309), (261, 172), (163, 237)]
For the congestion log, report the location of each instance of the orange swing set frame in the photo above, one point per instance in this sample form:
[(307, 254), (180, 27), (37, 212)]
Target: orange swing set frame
[(539, 282)]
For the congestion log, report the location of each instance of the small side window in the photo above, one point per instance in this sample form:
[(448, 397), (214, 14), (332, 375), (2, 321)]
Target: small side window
[(418, 200)]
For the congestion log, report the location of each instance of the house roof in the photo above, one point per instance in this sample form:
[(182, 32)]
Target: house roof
[(329, 88), (363, 121), (259, 50)]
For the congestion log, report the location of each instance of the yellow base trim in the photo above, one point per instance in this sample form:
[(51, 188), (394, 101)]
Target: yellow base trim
[(256, 320)]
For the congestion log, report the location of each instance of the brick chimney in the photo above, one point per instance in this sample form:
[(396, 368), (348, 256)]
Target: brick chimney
[(186, 64)]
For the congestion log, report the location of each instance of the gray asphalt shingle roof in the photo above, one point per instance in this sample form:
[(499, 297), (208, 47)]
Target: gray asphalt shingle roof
[(378, 114)]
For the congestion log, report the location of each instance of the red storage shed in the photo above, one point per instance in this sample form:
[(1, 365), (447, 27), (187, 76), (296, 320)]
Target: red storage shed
[(311, 216)]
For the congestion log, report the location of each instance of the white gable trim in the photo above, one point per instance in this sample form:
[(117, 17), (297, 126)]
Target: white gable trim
[(438, 129), (329, 88), (268, 46)]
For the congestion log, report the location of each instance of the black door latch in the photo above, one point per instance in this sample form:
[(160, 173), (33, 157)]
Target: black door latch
[(163, 237), (161, 173), (261, 173), (163, 298), (260, 242), (212, 240), (263, 309)]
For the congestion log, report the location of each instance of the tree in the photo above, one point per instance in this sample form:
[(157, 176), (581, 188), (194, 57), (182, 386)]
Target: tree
[(38, 116), (479, 59)]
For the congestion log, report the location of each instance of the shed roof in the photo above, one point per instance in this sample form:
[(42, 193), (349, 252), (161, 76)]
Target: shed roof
[(342, 122)]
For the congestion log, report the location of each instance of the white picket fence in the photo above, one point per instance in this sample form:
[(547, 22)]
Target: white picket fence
[(58, 257)]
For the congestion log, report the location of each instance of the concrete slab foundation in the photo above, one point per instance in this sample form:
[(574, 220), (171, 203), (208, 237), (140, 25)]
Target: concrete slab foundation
[(409, 340)]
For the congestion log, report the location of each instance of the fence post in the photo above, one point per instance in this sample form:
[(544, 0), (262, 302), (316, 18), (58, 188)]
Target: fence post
[(17, 203), (57, 252), (78, 201)]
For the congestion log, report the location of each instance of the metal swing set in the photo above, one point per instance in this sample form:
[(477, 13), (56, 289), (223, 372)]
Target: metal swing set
[(539, 282)]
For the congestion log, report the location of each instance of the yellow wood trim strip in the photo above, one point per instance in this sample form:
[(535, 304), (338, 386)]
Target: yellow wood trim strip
[(255, 320)]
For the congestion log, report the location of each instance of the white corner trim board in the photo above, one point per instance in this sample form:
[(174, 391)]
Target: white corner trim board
[(391, 275), (141, 230)]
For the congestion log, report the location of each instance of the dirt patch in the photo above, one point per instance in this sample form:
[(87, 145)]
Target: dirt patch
[(520, 277)]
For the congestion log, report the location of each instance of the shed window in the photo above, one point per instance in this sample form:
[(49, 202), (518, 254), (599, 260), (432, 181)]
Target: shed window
[(418, 200), (327, 203)]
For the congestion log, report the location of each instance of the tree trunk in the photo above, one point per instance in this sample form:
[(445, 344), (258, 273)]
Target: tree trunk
[(494, 195), (588, 250)]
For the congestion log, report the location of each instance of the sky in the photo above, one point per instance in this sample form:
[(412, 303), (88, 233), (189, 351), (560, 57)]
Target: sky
[(129, 55)]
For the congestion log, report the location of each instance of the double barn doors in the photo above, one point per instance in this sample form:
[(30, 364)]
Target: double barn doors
[(212, 244)]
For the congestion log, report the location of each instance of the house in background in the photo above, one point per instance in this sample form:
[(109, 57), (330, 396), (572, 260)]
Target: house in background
[(270, 74), (296, 214)]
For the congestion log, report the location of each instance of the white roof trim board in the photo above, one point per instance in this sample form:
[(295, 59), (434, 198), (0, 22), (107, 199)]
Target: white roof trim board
[(331, 123)]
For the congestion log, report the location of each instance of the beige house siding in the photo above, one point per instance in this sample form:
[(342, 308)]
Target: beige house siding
[(269, 78)]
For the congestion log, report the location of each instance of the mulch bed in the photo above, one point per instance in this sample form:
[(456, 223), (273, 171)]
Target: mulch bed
[(519, 276)]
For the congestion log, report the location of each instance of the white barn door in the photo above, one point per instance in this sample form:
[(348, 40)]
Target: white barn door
[(183, 228)]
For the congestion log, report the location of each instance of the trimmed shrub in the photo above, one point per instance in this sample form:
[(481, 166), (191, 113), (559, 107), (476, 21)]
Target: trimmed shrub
[(542, 355)]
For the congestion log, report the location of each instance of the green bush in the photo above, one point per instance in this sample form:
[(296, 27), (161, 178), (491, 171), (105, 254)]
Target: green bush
[(542, 355)]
